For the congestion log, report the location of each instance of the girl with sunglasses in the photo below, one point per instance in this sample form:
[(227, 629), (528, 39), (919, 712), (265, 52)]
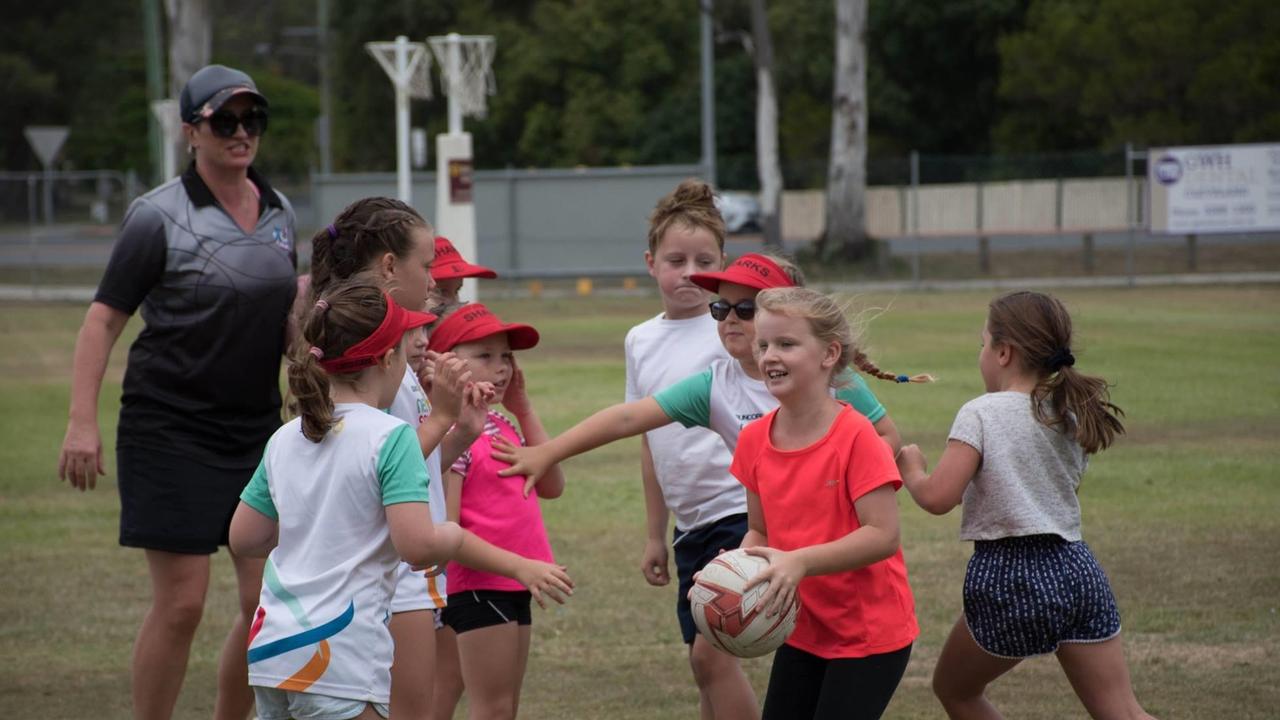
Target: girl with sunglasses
[(210, 259), (724, 397)]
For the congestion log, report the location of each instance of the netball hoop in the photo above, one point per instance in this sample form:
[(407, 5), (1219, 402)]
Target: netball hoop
[(409, 66), (466, 74)]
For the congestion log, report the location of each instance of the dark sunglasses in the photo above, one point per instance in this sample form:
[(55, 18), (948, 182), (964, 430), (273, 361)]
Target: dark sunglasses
[(745, 309), (223, 123)]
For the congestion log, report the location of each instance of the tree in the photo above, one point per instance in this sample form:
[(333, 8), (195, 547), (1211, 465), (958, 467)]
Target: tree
[(1099, 73), (769, 168), (846, 234)]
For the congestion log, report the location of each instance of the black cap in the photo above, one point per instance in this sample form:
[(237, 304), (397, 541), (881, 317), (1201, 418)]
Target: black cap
[(212, 86)]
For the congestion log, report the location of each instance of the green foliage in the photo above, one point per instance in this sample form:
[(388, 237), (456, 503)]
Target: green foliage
[(1103, 72), (288, 149), (23, 86)]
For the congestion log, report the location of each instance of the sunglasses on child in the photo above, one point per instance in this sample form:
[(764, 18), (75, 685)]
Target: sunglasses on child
[(745, 309), (223, 122)]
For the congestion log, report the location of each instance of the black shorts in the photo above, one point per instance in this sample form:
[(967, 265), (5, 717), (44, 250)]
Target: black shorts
[(172, 503), (803, 685), (1025, 595), (476, 609), (694, 549)]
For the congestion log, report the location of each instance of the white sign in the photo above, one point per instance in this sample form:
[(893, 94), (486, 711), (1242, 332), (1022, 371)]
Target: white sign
[(46, 141), (1214, 189)]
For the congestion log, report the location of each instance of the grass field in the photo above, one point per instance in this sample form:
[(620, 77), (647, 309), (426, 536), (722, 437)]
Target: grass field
[(1182, 513)]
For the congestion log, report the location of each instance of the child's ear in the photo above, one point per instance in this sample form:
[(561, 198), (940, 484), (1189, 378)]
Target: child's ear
[(1004, 354), (831, 356), (387, 265), (648, 263)]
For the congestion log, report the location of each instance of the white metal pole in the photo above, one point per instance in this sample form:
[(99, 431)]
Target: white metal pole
[(455, 83), (402, 119)]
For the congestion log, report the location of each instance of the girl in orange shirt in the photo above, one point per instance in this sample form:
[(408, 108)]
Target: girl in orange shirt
[(825, 483)]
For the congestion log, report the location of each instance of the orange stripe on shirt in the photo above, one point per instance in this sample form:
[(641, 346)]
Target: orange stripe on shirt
[(310, 672)]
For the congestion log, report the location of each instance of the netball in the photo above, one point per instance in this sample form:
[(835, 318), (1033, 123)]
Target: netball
[(732, 620)]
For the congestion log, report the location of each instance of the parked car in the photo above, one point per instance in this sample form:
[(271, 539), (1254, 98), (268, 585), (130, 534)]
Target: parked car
[(741, 211)]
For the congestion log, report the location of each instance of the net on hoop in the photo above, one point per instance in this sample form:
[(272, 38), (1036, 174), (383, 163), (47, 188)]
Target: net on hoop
[(467, 75), (415, 77)]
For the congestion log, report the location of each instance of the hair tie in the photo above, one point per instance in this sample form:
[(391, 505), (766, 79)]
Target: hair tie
[(322, 305), (903, 379), (316, 352), (1061, 358), (333, 232)]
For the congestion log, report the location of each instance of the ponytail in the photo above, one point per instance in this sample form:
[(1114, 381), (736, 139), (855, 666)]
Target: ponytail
[(346, 314), (309, 387), (1079, 405)]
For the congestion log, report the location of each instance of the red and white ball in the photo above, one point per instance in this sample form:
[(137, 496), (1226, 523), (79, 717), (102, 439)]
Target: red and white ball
[(733, 621)]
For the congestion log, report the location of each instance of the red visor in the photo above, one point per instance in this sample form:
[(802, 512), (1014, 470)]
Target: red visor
[(753, 270), (366, 353), (475, 321), (449, 264)]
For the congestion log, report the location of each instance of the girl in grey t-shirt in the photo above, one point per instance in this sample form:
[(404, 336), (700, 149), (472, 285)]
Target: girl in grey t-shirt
[(1013, 460)]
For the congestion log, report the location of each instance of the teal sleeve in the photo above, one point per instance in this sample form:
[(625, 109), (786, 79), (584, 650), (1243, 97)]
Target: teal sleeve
[(257, 494), (402, 473), (855, 392), (688, 402)]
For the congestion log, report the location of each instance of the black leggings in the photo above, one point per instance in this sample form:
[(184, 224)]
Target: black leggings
[(804, 686)]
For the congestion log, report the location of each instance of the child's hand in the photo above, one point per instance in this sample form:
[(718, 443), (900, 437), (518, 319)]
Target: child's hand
[(545, 578), (531, 462), (449, 384), (911, 461), (784, 574), (475, 409), (427, 371), (516, 400), (654, 564)]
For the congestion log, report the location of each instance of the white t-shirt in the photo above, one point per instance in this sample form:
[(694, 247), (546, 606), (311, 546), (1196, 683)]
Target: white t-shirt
[(692, 464), (1030, 472), (321, 624), (414, 590)]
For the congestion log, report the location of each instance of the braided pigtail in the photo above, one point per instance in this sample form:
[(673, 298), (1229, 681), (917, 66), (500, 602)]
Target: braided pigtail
[(863, 363)]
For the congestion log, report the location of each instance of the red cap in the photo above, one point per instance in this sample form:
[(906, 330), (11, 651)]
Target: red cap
[(366, 353), (753, 270), (474, 321), (449, 263)]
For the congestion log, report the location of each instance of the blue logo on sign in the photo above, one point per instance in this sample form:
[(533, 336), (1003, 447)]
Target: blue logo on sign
[(1168, 170)]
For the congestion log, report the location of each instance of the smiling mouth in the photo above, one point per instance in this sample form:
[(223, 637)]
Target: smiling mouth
[(776, 374)]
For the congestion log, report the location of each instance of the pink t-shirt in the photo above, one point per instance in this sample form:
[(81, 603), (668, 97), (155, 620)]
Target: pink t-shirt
[(495, 509)]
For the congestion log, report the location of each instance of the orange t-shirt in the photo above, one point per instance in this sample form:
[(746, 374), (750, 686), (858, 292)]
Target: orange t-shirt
[(807, 496)]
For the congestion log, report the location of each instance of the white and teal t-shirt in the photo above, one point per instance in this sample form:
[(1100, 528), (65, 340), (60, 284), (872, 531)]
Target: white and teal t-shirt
[(321, 623), (414, 590), (724, 399)]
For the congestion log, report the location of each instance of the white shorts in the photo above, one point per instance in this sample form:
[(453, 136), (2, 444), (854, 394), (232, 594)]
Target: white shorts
[(275, 704), (415, 591)]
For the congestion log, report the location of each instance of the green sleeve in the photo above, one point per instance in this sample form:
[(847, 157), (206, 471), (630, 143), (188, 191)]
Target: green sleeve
[(401, 470), (688, 402), (257, 494), (855, 392)]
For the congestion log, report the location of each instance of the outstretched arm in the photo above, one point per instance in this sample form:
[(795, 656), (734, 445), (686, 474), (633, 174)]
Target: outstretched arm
[(944, 489), (612, 423)]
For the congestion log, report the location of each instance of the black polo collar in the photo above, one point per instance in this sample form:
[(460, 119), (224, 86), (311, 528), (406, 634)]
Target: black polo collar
[(202, 196)]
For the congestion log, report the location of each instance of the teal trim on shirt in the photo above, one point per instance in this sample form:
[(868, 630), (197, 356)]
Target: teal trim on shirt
[(688, 402), (257, 494), (402, 473)]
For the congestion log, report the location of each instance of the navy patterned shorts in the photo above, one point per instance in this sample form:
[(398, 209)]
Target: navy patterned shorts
[(1025, 595)]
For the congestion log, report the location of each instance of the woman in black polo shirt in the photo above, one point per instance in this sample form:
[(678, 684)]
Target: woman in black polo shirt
[(210, 259)]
